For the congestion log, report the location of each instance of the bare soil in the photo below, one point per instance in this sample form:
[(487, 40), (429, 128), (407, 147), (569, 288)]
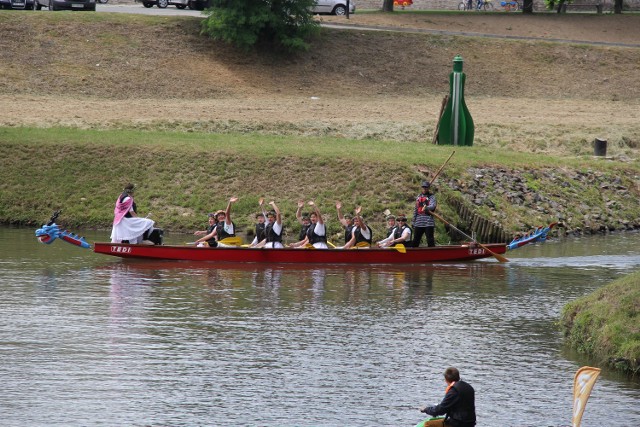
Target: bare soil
[(150, 72)]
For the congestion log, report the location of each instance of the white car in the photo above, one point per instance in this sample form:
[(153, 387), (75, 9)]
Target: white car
[(334, 7), (180, 4)]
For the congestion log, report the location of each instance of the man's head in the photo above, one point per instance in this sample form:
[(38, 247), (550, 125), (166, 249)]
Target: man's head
[(349, 219), (306, 220), (402, 220), (260, 218), (271, 216), (313, 217), (212, 218), (391, 220), (451, 374), (426, 185), (220, 216)]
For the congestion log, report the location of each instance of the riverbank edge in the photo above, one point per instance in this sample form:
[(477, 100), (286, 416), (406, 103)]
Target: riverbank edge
[(79, 170), (605, 325)]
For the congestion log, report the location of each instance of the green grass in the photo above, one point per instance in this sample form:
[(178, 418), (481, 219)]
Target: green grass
[(183, 175), (605, 325), (268, 146)]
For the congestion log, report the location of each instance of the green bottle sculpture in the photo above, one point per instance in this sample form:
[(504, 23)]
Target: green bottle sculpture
[(456, 125)]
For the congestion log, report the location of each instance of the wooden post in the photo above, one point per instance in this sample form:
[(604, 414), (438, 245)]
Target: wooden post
[(437, 130)]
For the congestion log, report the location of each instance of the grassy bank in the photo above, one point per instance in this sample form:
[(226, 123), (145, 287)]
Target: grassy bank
[(605, 325), (182, 176), (192, 122)]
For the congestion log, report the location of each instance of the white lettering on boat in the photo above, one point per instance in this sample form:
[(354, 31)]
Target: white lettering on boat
[(476, 251), (121, 249)]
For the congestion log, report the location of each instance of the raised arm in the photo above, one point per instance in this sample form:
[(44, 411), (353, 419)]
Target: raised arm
[(317, 211), (299, 211), (277, 211), (228, 211), (341, 218), (261, 204), (358, 211)]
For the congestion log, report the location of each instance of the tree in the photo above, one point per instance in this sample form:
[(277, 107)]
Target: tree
[(527, 6), (284, 24), (387, 6), (617, 6)]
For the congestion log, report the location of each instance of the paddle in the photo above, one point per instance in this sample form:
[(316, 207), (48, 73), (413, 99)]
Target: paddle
[(361, 245), (232, 241), (399, 247), (498, 257), (229, 241)]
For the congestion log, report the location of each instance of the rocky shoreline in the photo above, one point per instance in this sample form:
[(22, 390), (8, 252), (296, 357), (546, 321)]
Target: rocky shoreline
[(506, 196)]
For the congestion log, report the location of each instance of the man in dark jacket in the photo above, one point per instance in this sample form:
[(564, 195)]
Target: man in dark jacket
[(458, 405)]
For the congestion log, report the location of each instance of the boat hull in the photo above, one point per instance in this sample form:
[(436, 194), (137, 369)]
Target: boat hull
[(302, 256)]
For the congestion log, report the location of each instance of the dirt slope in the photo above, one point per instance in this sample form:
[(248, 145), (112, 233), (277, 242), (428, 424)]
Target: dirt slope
[(120, 70)]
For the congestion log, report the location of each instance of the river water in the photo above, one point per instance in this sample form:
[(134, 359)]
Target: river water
[(90, 340)]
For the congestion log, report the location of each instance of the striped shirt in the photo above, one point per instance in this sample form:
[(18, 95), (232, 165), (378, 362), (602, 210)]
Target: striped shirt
[(421, 219)]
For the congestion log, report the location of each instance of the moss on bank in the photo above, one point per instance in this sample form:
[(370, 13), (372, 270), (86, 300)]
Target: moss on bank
[(605, 325)]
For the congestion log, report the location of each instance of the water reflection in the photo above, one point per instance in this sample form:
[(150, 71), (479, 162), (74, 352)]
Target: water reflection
[(298, 285)]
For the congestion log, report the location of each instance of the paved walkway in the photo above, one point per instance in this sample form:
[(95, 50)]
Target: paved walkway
[(471, 34)]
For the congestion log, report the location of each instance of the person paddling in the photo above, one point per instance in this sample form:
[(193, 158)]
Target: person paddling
[(273, 229), (458, 405), (361, 234), (316, 235), (303, 219), (260, 230), (400, 234), (224, 228), (210, 228), (346, 221), (391, 224)]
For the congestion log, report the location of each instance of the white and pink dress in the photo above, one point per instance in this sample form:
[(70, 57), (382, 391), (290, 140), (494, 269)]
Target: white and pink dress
[(125, 227)]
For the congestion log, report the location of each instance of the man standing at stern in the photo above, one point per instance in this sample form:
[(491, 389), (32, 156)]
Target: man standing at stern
[(423, 222)]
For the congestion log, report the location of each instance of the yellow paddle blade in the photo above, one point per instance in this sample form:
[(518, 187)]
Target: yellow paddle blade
[(400, 248), (232, 241), (309, 246), (362, 245), (331, 245)]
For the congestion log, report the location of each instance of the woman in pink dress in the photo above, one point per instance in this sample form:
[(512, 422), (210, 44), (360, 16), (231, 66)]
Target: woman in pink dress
[(128, 227)]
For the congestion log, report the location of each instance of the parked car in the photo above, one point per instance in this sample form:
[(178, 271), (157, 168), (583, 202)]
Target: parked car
[(65, 4), (334, 7), (180, 4), (199, 4), (16, 4)]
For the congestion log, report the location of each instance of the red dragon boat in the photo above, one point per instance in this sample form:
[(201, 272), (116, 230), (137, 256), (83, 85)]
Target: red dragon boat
[(398, 255), (238, 254)]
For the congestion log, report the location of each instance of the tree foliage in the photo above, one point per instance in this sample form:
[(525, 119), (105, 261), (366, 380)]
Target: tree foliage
[(284, 24)]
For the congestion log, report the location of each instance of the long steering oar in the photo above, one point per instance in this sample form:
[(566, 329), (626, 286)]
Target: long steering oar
[(497, 256), (442, 167)]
